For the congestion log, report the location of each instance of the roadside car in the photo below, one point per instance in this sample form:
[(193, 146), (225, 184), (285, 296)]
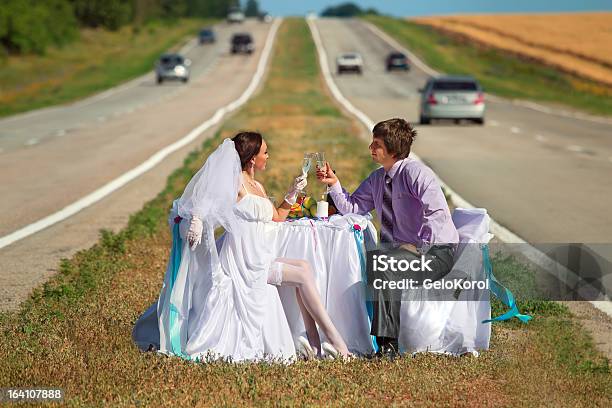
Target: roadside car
[(172, 67), (349, 61), (264, 17), (452, 97), (397, 60), (206, 36), (235, 15), (242, 43)]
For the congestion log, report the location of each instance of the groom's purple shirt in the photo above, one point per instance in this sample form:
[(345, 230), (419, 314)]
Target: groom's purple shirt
[(420, 212)]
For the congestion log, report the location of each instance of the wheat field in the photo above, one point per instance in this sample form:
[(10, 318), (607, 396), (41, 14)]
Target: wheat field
[(578, 43)]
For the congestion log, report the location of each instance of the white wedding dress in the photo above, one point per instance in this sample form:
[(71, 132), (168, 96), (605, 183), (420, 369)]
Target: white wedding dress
[(215, 301)]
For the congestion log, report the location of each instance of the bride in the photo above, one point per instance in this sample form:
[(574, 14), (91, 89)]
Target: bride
[(216, 300)]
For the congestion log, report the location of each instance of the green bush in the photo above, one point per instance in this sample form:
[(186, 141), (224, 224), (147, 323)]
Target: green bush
[(110, 14), (30, 26), (347, 9)]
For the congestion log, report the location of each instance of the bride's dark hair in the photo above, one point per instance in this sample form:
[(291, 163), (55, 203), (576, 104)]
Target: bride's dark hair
[(247, 145)]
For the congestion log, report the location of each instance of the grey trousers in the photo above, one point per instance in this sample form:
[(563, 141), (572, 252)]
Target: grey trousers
[(387, 303)]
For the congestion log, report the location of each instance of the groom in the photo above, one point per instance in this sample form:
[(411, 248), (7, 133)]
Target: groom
[(413, 212)]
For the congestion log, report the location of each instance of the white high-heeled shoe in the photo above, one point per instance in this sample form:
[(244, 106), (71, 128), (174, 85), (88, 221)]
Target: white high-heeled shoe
[(330, 351), (305, 349)]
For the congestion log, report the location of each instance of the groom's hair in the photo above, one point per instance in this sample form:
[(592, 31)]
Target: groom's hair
[(397, 135), (247, 145)]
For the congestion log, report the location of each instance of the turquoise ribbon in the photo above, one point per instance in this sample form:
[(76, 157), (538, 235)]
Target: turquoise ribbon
[(501, 292), (173, 313), (359, 240)]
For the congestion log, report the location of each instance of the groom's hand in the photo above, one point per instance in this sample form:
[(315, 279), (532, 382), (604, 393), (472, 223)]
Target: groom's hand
[(326, 175)]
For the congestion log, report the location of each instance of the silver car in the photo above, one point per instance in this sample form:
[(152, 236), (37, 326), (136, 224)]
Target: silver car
[(452, 97), (173, 67)]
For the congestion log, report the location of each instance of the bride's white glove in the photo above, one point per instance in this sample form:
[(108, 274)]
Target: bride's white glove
[(299, 183), (194, 234)]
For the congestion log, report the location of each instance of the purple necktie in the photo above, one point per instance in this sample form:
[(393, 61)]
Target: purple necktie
[(386, 227)]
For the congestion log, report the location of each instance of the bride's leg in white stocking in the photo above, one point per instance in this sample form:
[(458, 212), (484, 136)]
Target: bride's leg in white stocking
[(298, 273), (309, 324)]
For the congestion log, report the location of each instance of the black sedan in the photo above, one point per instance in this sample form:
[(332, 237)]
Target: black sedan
[(242, 43), (397, 60)]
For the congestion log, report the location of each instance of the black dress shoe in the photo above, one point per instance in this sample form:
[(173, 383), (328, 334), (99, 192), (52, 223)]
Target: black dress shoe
[(387, 346)]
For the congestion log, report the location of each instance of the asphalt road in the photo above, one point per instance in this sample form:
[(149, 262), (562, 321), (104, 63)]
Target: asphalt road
[(543, 176), (44, 125), (52, 157)]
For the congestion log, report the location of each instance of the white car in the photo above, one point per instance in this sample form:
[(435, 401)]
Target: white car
[(235, 16), (350, 61)]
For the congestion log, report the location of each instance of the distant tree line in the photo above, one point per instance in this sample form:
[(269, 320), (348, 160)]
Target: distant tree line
[(346, 10), (30, 26)]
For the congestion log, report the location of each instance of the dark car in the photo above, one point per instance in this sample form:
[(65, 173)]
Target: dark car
[(206, 36), (172, 66), (242, 43), (397, 60)]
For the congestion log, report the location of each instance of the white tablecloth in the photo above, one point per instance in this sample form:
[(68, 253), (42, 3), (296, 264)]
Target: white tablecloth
[(443, 327), (331, 249), (453, 327)]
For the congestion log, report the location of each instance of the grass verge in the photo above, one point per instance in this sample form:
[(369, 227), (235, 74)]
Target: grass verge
[(74, 332), (99, 60), (499, 72)]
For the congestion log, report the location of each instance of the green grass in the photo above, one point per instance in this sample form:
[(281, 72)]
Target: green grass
[(500, 73), (521, 280), (74, 332), (97, 61)]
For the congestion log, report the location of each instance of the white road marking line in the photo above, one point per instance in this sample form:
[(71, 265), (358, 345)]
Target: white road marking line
[(575, 148), (493, 123), (32, 142), (525, 104), (540, 138), (515, 130), (604, 306), (504, 235), (152, 161)]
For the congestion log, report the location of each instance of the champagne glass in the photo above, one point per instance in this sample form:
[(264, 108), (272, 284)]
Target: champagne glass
[(306, 164), (320, 159)]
